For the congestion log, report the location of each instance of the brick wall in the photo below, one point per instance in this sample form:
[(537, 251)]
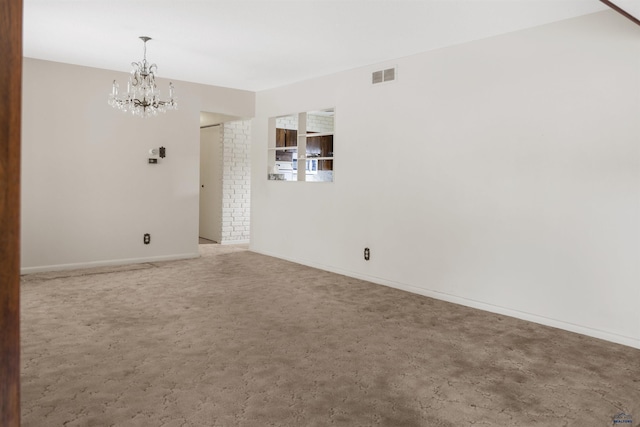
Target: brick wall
[(236, 177), (314, 123), (287, 122), (319, 123)]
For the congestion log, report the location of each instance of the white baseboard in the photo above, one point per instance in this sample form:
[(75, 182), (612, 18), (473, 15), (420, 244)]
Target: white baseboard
[(235, 242), (579, 329), (77, 266)]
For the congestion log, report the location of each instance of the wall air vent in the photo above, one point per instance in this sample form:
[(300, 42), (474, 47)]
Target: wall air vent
[(383, 76)]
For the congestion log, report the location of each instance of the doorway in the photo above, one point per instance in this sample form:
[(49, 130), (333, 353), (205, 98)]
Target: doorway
[(220, 143)]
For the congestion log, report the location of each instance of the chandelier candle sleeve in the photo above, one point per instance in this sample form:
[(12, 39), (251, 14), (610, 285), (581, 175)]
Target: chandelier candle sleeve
[(143, 96)]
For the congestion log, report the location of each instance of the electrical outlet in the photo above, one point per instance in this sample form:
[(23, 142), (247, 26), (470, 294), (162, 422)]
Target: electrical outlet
[(367, 254), (147, 238)]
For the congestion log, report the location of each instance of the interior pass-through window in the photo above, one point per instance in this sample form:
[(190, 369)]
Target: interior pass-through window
[(301, 142)]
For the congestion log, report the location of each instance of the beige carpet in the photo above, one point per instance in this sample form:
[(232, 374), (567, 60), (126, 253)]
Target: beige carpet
[(235, 338)]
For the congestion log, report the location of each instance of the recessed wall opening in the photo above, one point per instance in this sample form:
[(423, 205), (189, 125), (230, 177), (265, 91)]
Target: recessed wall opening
[(302, 142)]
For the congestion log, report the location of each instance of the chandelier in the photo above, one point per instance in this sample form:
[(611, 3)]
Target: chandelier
[(142, 97)]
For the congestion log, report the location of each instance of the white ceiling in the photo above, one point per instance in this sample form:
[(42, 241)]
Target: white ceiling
[(260, 44)]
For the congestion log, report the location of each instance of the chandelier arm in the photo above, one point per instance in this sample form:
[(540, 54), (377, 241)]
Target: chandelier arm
[(141, 103)]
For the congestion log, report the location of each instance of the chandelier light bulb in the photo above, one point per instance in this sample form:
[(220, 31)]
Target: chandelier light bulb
[(143, 96)]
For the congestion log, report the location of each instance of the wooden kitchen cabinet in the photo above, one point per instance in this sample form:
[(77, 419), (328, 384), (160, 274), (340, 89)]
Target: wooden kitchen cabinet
[(321, 147), (286, 138)]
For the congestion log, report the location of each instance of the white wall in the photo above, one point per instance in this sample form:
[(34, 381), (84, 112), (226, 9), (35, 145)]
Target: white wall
[(503, 174), (88, 194)]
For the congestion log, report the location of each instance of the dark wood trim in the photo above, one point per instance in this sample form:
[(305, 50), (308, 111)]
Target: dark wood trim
[(621, 11), (10, 112)]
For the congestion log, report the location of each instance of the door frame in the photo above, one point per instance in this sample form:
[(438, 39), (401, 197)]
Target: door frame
[(10, 123)]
